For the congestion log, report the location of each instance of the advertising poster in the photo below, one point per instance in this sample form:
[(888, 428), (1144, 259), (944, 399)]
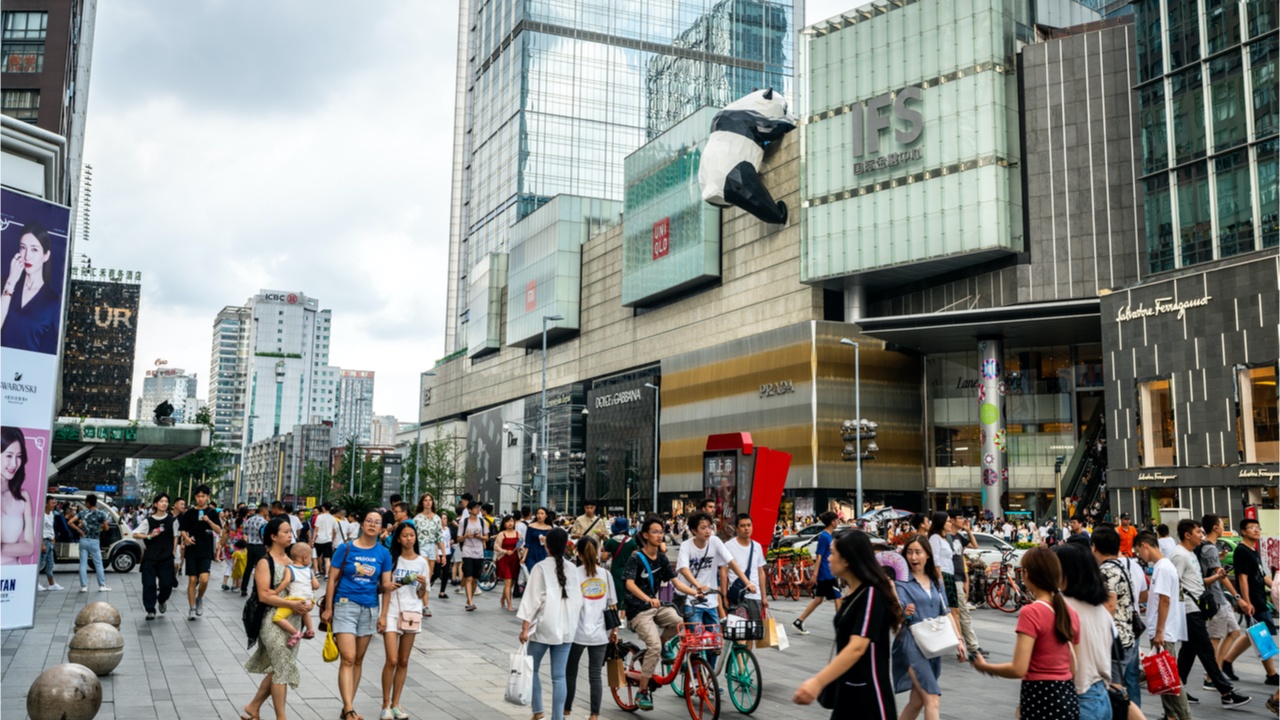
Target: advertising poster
[(33, 268)]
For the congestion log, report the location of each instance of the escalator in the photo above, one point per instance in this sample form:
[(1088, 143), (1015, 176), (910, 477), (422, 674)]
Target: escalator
[(1085, 471)]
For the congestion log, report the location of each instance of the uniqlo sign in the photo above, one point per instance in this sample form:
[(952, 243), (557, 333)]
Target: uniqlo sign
[(661, 238), (531, 296)]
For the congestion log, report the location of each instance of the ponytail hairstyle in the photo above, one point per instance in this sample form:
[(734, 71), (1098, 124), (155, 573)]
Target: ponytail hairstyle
[(557, 539), (588, 554), (1045, 572)]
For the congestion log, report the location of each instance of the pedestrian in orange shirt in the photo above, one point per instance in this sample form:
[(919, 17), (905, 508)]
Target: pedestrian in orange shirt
[(1127, 533)]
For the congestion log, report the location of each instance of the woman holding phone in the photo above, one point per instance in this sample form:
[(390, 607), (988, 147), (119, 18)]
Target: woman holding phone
[(159, 531)]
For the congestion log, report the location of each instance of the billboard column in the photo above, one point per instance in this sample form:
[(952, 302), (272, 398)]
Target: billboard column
[(991, 391)]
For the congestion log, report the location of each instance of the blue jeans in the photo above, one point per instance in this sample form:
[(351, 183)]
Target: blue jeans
[(559, 689), (47, 560), (1126, 671), (91, 547), (1263, 615), (1094, 703)]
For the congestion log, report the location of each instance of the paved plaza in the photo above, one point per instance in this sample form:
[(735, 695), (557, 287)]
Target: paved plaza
[(193, 670)]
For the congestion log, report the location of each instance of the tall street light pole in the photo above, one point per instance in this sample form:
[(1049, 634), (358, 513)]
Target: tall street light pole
[(417, 461), (857, 411), (656, 392), (542, 415), (354, 455)]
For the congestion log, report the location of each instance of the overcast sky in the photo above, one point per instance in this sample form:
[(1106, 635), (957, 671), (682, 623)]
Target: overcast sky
[(289, 145)]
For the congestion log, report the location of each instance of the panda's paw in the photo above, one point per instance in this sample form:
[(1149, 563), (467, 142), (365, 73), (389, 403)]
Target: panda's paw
[(782, 213)]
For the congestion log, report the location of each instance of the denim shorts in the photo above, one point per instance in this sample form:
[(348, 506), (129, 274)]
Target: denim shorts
[(353, 619)]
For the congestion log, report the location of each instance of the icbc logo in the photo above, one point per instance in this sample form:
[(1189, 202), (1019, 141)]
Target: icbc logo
[(661, 238), (293, 299)]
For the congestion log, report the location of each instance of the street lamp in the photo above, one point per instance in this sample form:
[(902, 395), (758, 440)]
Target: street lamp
[(417, 462), (857, 410), (656, 392), (352, 439), (542, 496)]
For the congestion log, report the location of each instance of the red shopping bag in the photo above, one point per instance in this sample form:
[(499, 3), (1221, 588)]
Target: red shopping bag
[(1161, 670)]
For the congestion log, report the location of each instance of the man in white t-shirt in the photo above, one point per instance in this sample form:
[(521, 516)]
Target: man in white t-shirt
[(1165, 622), (1167, 544), (749, 556), (700, 560), (1198, 644), (322, 539), (47, 539)]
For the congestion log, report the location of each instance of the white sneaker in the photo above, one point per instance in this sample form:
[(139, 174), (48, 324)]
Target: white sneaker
[(103, 588), (56, 586), (386, 714), (42, 588), (84, 588)]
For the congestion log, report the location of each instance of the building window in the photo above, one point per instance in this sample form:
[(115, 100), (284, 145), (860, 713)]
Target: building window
[(1259, 422), (23, 57), (1156, 426), (1269, 191), (1186, 93), (22, 105), (28, 26), (1264, 16), (1223, 24), (1159, 225), (1184, 32), (1150, 40), (1228, 105), (1195, 229), (1155, 135), (1235, 209), (1263, 58)]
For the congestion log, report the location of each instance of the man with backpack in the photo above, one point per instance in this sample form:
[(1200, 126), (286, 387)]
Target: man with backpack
[(473, 534)]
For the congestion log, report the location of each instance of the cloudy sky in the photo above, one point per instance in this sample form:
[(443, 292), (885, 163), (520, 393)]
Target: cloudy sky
[(286, 145)]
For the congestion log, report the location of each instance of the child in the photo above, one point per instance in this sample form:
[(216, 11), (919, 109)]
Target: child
[(300, 583), (239, 559)]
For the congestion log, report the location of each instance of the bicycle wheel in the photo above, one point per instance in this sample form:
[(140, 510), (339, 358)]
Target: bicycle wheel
[(625, 696), (671, 649), (797, 579), (1002, 596), (488, 576), (742, 675), (701, 690)]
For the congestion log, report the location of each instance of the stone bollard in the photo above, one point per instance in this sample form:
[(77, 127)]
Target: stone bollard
[(98, 612), (97, 646), (65, 692)]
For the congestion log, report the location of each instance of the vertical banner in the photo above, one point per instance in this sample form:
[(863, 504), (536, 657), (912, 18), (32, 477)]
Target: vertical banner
[(33, 261)]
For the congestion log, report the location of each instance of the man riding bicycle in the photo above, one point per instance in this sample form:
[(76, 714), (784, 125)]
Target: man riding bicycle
[(701, 559), (655, 624)]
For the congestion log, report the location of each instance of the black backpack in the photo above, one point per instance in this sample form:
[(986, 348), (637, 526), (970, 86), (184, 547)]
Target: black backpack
[(254, 609)]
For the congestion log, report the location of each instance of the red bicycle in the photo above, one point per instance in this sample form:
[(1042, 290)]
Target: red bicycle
[(698, 678)]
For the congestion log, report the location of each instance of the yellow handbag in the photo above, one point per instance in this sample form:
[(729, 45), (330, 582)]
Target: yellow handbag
[(330, 651)]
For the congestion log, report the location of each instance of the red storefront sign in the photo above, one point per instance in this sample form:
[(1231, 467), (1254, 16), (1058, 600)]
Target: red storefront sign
[(661, 238)]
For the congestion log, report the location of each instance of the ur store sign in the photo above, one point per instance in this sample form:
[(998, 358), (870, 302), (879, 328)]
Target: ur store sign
[(661, 238)]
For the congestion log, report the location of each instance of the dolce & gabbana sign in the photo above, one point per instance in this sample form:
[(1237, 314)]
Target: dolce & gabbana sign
[(1163, 306), (618, 398)]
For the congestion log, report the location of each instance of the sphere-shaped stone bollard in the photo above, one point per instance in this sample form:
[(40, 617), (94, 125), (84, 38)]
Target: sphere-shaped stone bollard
[(97, 646), (98, 612), (65, 692)]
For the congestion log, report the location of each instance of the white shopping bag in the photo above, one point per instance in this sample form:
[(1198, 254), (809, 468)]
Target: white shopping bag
[(520, 681), (783, 642)]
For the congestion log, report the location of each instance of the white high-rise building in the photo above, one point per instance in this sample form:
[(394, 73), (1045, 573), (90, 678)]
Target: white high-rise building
[(355, 407), (228, 377), (174, 385), (384, 430)]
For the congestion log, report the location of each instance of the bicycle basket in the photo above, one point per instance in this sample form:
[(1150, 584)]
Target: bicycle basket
[(696, 636), (739, 629)]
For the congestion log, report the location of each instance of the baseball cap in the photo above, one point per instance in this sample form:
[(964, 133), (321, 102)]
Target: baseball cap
[(1124, 516)]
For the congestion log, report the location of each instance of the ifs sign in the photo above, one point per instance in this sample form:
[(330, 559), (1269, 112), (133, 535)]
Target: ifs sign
[(870, 119)]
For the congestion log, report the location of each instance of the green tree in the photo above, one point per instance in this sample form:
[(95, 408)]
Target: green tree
[(177, 476), (317, 482), (367, 473), (442, 471)]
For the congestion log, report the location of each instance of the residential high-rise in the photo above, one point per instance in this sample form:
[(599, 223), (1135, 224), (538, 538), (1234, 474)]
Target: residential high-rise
[(551, 97), (355, 407), (384, 430), (228, 377), (47, 47)]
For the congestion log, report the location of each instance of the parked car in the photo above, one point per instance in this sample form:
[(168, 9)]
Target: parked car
[(811, 541), (1227, 549), (991, 548), (806, 533), (119, 552)]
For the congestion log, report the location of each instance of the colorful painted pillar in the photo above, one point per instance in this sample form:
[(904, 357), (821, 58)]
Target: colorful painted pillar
[(995, 475)]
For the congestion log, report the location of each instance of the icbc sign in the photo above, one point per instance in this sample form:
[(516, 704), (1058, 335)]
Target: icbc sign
[(661, 238), (531, 296), (292, 299)]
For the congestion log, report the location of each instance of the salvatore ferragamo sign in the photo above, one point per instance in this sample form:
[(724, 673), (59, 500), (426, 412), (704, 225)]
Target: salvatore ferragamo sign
[(1163, 306)]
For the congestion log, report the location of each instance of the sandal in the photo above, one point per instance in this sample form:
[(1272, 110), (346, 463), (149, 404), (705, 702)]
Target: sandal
[(308, 635), (350, 715), (244, 715), (293, 640)]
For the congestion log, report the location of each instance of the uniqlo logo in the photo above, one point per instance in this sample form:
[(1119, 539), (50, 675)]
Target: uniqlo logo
[(661, 238), (531, 296)]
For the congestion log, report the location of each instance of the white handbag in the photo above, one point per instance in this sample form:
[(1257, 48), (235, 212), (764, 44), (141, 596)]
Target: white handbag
[(520, 681), (935, 637)]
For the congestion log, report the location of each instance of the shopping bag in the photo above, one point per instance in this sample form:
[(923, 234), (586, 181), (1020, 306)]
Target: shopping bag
[(781, 636), (330, 650), (520, 681), (1262, 641), (770, 634), (613, 663), (1161, 670)]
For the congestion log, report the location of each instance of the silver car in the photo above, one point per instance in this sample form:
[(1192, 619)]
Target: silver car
[(119, 552), (991, 548)]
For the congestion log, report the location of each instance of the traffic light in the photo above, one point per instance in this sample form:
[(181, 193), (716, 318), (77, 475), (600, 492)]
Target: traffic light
[(850, 430)]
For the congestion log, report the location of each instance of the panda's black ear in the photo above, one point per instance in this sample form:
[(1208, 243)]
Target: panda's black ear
[(768, 94)]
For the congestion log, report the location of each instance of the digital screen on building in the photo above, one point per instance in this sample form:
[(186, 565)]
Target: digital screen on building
[(909, 134), (102, 332), (670, 237)]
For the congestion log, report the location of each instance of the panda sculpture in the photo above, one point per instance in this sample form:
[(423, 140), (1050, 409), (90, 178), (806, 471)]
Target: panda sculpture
[(729, 169)]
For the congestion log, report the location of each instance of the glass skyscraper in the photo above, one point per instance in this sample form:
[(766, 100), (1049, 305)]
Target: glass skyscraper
[(1209, 116), (553, 94)]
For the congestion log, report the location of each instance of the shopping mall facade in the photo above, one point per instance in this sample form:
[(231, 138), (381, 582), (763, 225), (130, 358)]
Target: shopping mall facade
[(969, 194)]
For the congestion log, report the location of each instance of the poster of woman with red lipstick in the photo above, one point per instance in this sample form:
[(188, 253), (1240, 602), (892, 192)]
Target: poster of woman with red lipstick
[(33, 260)]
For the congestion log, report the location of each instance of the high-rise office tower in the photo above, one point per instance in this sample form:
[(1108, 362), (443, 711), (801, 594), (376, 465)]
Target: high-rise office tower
[(552, 95), (228, 372), (173, 384), (355, 407)]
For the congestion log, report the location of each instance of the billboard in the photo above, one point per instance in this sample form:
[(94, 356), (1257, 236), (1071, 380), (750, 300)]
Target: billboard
[(33, 240)]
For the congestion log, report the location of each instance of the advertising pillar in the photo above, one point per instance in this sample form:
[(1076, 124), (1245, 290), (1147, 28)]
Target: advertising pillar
[(991, 391), (33, 248)]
